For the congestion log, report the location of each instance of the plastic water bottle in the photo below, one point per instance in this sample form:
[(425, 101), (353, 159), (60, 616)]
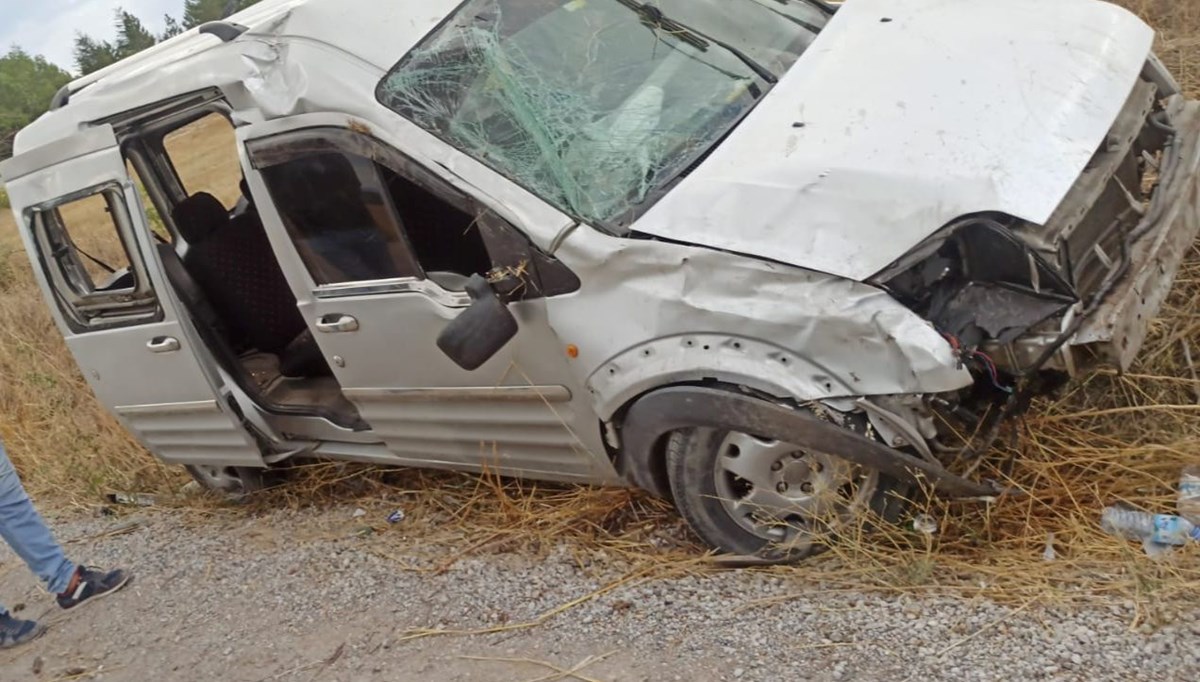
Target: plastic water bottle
[(1188, 503), (1152, 529)]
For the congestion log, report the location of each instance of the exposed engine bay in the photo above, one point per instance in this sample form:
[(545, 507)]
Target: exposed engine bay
[(1026, 306)]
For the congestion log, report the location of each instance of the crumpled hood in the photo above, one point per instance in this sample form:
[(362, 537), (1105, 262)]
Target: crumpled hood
[(903, 116)]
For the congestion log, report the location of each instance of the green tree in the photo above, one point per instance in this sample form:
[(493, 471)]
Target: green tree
[(27, 84), (196, 12), (172, 27), (132, 37), (93, 55)]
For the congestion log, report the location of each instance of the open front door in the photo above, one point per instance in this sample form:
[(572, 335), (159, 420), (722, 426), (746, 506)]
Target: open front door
[(378, 251), (95, 259)]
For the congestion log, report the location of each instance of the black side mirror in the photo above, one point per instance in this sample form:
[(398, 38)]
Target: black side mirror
[(477, 334)]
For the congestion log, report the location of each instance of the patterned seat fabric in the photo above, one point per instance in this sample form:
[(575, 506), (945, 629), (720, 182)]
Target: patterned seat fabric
[(233, 263)]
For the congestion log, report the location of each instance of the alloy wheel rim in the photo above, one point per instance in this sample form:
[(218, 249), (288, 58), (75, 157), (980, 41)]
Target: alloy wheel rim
[(785, 494)]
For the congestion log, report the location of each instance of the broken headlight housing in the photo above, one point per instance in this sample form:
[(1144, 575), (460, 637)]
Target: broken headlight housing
[(995, 299)]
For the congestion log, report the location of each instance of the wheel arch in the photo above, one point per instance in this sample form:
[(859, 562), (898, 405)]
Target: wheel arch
[(728, 358), (648, 420), (726, 361)]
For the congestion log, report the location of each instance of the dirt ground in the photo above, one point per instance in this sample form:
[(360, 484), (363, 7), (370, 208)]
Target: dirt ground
[(249, 596), (201, 609)]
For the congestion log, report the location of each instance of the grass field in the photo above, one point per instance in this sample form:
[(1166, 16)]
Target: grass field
[(1110, 438)]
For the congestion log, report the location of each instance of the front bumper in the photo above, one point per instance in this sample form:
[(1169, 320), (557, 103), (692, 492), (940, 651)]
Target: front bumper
[(1114, 332)]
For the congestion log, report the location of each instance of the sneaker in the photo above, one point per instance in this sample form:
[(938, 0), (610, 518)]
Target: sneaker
[(15, 632), (90, 582)]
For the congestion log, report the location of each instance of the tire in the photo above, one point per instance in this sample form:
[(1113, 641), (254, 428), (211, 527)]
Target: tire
[(236, 481), (715, 510)]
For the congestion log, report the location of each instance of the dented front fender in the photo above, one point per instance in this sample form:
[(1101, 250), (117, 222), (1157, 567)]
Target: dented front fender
[(652, 313)]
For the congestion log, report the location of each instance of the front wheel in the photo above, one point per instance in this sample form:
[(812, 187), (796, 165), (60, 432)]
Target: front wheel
[(757, 497)]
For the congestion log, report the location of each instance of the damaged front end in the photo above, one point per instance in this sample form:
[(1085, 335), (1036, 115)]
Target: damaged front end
[(1028, 306)]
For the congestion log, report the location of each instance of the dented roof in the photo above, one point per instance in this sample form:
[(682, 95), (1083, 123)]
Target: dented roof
[(193, 61)]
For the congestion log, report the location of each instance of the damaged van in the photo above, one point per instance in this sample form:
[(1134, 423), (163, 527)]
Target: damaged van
[(784, 264)]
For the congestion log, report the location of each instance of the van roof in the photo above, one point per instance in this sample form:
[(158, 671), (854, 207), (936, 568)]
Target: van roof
[(355, 33)]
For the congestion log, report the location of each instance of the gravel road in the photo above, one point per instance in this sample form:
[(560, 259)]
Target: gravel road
[(296, 596)]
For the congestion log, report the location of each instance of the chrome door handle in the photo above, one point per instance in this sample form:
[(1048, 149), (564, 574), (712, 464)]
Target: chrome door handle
[(163, 344), (337, 323)]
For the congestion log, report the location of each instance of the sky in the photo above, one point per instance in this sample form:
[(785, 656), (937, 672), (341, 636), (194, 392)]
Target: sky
[(48, 27)]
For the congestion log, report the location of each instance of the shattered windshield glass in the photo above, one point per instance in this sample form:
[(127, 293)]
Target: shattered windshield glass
[(595, 104)]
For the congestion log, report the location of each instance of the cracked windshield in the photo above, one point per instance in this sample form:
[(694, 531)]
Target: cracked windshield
[(595, 104), (599, 340)]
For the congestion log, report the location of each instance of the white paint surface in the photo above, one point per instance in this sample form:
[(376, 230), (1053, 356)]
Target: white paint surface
[(946, 108)]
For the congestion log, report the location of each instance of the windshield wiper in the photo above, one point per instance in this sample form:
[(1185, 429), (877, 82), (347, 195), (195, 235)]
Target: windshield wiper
[(797, 20), (654, 18)]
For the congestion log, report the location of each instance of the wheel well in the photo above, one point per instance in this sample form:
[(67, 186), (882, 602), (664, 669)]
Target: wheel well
[(655, 414), (656, 463), (649, 470)]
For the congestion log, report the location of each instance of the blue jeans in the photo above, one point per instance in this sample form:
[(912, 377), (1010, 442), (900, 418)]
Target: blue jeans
[(25, 532)]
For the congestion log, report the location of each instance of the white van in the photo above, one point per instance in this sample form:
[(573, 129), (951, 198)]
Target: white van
[(769, 258)]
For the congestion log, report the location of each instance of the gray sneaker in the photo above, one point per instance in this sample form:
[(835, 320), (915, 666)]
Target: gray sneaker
[(91, 582), (15, 632)]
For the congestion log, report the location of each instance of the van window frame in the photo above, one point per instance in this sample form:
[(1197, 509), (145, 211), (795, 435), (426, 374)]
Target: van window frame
[(282, 147), (276, 150), (143, 145), (506, 245), (164, 128), (93, 310)]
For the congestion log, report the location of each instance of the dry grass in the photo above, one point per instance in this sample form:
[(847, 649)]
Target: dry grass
[(1110, 438), (61, 440), (204, 162)]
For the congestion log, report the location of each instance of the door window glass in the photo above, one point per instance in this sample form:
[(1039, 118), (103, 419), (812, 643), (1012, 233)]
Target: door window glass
[(334, 206), (90, 256)]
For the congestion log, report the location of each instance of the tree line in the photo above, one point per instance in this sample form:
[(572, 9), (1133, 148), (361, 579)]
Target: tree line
[(133, 36), (28, 82)]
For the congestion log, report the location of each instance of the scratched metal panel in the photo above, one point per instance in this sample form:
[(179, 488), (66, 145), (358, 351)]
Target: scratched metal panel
[(190, 433), (534, 438)]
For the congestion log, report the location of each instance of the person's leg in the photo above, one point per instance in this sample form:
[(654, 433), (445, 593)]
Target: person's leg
[(23, 529)]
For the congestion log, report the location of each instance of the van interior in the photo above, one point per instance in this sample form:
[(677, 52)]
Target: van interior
[(216, 254), (218, 258)]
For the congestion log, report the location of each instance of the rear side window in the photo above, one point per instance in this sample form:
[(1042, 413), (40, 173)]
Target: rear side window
[(90, 257), (90, 231), (204, 155)]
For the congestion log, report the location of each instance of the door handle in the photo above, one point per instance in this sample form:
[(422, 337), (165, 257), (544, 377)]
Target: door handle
[(163, 344), (337, 322)]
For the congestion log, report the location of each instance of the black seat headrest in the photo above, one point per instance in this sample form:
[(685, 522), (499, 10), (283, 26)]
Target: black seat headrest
[(199, 216)]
